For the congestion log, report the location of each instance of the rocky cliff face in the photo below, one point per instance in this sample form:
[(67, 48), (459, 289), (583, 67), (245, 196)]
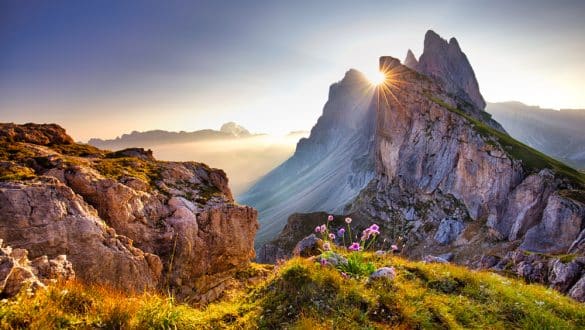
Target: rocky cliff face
[(329, 168), (448, 180), (123, 218), (443, 170)]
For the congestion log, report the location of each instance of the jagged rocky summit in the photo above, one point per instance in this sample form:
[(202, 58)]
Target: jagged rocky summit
[(121, 218), (428, 165)]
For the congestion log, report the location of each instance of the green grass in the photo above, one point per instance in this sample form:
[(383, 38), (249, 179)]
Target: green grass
[(13, 172), (357, 266), (79, 150), (117, 168), (532, 159), (305, 295)]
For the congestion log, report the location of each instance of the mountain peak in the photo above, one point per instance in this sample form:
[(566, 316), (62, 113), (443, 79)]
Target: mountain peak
[(431, 36), (234, 129), (445, 61), (410, 60)]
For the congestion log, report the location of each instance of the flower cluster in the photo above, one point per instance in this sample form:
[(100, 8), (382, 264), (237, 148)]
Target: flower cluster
[(330, 235), (372, 231)]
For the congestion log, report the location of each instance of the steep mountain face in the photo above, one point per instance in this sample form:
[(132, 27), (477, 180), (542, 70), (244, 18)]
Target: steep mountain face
[(445, 61), (555, 133), (453, 183), (448, 180), (123, 218), (329, 168)]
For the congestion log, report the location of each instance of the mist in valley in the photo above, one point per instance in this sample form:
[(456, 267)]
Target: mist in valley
[(244, 159)]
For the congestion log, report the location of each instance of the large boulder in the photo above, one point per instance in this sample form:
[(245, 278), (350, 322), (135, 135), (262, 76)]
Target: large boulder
[(563, 276), (448, 230), (561, 224), (577, 292), (308, 246)]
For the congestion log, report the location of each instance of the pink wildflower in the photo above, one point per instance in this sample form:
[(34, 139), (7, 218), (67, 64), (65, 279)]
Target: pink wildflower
[(354, 246), (318, 229), (323, 262), (326, 246), (330, 218), (323, 228), (394, 247), (366, 234), (348, 220), (332, 236)]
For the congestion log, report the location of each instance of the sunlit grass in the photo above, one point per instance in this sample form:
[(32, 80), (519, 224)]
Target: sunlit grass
[(302, 294)]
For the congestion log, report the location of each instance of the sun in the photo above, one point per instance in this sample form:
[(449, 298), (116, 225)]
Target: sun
[(377, 78)]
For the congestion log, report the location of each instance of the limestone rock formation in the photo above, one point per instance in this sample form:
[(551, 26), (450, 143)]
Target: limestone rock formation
[(18, 272), (445, 61), (410, 60), (123, 219)]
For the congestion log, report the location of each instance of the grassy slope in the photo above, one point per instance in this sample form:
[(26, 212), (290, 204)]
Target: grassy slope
[(303, 294)]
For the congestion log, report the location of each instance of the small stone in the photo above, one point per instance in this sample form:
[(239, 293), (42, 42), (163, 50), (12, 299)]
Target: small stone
[(447, 256), (430, 259), (308, 246), (332, 258), (384, 272)]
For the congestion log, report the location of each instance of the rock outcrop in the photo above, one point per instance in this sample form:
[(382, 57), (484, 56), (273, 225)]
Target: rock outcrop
[(18, 272), (123, 219), (564, 273), (410, 60)]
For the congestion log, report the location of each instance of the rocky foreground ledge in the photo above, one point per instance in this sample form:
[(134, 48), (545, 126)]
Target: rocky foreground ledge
[(122, 218)]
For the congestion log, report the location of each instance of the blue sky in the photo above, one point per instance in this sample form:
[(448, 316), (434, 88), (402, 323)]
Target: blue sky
[(103, 68)]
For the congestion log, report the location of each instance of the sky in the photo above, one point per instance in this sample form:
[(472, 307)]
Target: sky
[(102, 68)]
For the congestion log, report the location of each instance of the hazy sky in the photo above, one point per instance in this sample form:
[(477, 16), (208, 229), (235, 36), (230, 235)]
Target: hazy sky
[(103, 68)]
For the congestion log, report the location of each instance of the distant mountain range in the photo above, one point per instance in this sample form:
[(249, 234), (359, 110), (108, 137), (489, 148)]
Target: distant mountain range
[(243, 155), (228, 130), (560, 134)]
